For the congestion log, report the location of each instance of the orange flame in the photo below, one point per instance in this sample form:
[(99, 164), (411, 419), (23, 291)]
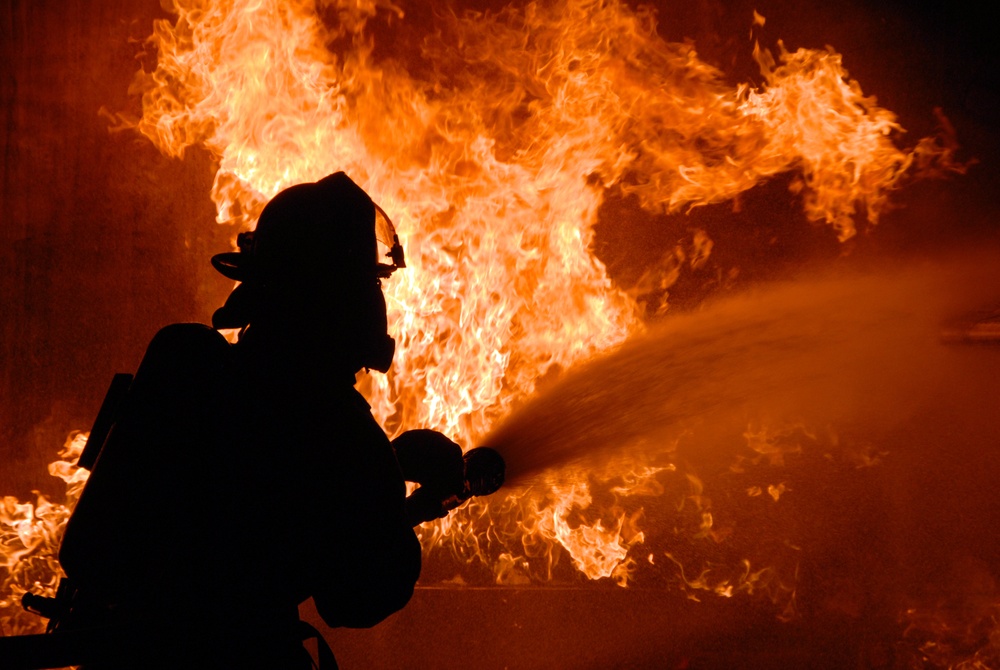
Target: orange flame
[(30, 534), (492, 149), (493, 160)]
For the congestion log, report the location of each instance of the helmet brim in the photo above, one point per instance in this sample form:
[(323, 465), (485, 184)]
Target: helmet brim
[(232, 265)]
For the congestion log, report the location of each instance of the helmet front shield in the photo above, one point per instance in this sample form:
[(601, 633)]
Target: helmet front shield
[(389, 246)]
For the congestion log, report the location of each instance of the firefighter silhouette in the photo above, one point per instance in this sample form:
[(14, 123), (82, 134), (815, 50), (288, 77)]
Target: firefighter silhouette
[(234, 481)]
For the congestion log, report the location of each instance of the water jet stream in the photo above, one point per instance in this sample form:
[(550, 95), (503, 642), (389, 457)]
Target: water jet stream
[(861, 347)]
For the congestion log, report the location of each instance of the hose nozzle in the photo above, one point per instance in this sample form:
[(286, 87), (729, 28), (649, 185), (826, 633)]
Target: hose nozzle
[(484, 471)]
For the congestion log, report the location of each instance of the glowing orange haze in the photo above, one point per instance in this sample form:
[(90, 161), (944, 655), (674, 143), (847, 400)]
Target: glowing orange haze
[(493, 161)]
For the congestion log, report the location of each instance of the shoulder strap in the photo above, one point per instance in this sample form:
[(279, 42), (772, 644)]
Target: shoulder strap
[(324, 653)]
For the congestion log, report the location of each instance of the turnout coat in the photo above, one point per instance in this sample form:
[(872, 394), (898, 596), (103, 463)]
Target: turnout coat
[(238, 481)]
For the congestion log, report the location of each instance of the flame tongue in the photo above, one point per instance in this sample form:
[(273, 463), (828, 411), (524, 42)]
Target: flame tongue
[(494, 161), (492, 149)]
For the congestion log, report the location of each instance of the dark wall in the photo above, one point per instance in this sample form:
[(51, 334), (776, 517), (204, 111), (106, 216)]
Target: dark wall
[(102, 240)]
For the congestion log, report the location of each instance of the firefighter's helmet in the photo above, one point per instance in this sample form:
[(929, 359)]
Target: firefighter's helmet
[(315, 255)]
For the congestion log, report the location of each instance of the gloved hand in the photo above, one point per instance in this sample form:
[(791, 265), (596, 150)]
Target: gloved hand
[(432, 460), (447, 478)]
